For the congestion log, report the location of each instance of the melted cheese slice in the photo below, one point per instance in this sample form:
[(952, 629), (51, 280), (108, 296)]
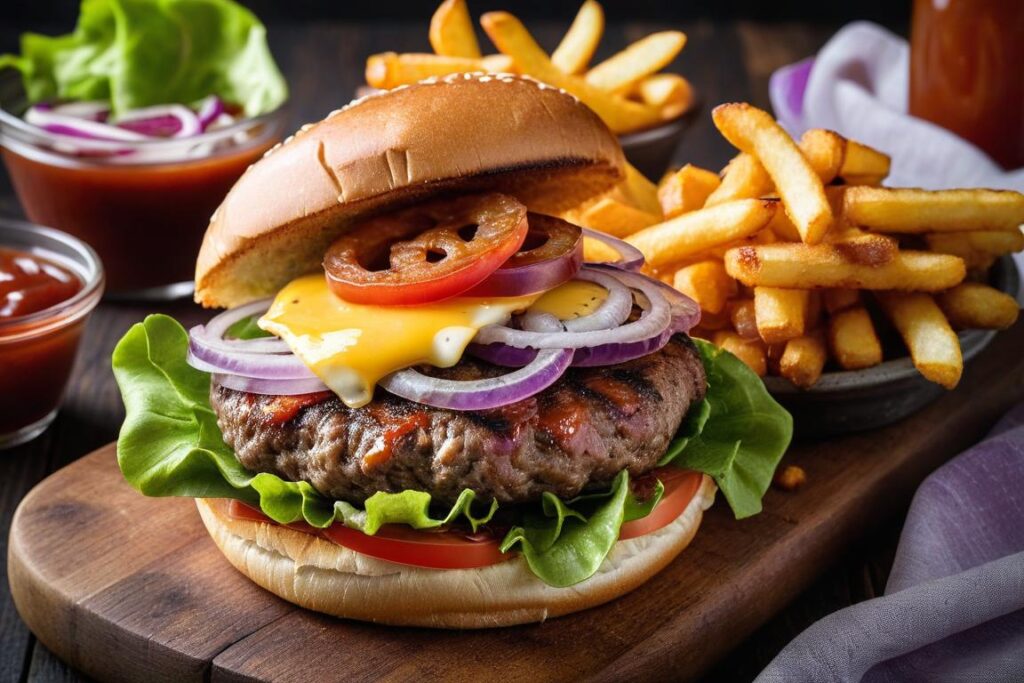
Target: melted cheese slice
[(352, 346)]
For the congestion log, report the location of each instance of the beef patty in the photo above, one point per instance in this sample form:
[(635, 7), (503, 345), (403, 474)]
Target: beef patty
[(577, 434)]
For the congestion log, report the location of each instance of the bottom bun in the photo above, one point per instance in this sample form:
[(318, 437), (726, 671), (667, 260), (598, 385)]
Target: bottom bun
[(323, 576)]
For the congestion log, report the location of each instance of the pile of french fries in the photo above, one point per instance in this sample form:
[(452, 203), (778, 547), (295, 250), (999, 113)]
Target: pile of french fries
[(626, 90), (797, 256)]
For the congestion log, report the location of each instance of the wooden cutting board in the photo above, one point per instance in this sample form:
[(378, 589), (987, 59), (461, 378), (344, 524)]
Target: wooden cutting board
[(131, 588)]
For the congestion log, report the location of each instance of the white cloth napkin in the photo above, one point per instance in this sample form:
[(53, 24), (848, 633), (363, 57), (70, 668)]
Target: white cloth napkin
[(857, 85)]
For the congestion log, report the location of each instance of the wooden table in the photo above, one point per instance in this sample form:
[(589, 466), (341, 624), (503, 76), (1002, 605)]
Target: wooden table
[(323, 63)]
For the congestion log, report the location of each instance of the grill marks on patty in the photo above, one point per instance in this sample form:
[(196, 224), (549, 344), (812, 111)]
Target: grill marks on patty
[(577, 434)]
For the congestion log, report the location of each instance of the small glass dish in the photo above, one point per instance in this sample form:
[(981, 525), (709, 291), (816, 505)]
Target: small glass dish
[(143, 206), (37, 351)]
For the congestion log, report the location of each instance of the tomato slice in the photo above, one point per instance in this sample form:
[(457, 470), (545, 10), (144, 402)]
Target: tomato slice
[(400, 544), (426, 253), (680, 488), (452, 550), (551, 254)]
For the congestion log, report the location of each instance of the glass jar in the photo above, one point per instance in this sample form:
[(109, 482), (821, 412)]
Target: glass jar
[(966, 61), (37, 350), (142, 206)]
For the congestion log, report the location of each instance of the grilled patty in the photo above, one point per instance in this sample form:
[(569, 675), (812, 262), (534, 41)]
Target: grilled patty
[(577, 434)]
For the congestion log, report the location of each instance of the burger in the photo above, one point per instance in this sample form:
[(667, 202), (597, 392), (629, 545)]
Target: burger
[(430, 400)]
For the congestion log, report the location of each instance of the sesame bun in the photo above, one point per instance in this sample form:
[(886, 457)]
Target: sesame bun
[(320, 575), (466, 132)]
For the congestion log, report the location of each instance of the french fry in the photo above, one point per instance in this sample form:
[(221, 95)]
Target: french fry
[(852, 338), (707, 283), (803, 266), (451, 31), (783, 228), (824, 150), (866, 164), (686, 190), (972, 305), (511, 38), (671, 93), (755, 132), (750, 351), (641, 192), (921, 211), (743, 178), (865, 248), (803, 359), (389, 69), (613, 216), (933, 345), (955, 244), (993, 242), (596, 251), (780, 313), (578, 45), (835, 300), (743, 318), (646, 56), (691, 233)]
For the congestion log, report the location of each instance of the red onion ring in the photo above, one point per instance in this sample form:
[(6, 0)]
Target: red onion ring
[(73, 126), (255, 365), (652, 323), (209, 110), (272, 387), (484, 394), (612, 312), (212, 335), (630, 258), (162, 120)]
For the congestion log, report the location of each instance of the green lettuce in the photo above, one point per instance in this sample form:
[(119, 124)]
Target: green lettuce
[(737, 435), (247, 328), (170, 445), (136, 53)]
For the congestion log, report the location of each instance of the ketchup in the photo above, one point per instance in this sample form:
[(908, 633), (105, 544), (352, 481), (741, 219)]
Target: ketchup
[(30, 283), (38, 338)]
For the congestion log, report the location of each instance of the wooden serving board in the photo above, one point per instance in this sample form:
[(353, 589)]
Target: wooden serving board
[(131, 588)]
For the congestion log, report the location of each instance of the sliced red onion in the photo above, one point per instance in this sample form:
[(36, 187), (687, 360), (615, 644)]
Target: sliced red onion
[(630, 258), (209, 110), (484, 394), (73, 126), (164, 120), (213, 334), (93, 111), (612, 312), (652, 323), (271, 387), (257, 365)]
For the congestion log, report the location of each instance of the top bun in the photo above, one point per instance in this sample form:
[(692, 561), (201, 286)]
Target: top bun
[(465, 132)]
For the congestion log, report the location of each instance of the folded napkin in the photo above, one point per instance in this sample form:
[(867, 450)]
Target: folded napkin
[(857, 85), (953, 608)]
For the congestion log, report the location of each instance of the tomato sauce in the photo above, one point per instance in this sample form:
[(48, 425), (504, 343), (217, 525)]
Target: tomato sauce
[(145, 221), (965, 72), (36, 351), (30, 283)]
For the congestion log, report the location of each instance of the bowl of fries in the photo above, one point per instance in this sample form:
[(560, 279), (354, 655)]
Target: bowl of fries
[(845, 294), (647, 108)]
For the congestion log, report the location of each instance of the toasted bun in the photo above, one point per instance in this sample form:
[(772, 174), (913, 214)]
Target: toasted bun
[(466, 132), (319, 575)]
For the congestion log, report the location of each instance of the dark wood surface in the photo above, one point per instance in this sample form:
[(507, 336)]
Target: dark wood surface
[(171, 608), (323, 63)]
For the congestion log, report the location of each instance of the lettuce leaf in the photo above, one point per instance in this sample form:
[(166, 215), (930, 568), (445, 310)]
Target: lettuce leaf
[(170, 445), (737, 435), (136, 53)]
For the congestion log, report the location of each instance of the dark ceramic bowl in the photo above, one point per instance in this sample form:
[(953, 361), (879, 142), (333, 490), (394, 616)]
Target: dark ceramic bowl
[(851, 401), (651, 151)]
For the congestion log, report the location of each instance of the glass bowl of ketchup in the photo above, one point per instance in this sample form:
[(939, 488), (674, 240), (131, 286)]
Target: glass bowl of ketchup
[(49, 284), (143, 205)]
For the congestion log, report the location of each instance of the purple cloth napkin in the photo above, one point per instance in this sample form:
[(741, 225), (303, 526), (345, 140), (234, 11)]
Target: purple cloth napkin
[(953, 608)]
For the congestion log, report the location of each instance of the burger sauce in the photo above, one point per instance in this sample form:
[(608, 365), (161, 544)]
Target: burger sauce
[(33, 367)]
